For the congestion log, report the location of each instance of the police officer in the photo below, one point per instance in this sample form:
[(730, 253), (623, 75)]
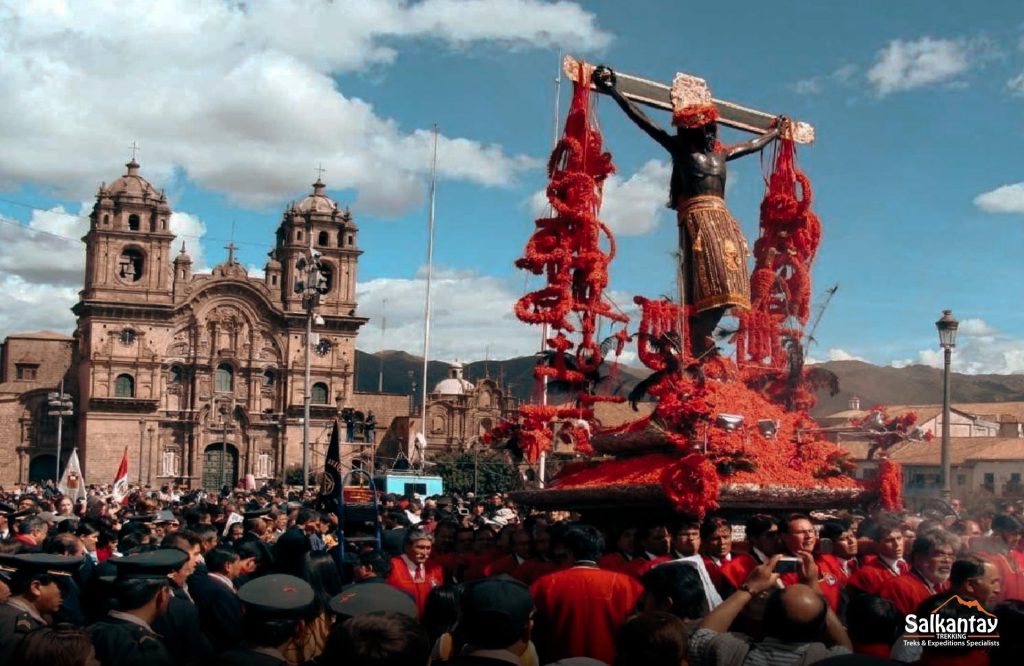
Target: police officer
[(141, 594), (35, 582), (274, 608)]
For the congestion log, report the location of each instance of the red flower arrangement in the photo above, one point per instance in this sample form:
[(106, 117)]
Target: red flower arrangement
[(890, 484), (884, 431), (691, 484)]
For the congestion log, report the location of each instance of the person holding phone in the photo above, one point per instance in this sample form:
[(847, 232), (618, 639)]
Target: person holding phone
[(799, 538)]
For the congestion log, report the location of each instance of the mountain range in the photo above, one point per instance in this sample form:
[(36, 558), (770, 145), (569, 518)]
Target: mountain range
[(395, 372)]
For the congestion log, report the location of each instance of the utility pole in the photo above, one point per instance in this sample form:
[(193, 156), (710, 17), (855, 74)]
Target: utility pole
[(60, 405)]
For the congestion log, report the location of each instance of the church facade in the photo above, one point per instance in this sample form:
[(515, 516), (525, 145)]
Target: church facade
[(200, 377)]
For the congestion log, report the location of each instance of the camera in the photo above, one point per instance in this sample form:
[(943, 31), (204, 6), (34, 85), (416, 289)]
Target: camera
[(786, 565)]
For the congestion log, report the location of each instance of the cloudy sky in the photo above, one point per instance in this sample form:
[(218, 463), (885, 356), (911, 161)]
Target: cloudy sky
[(917, 170)]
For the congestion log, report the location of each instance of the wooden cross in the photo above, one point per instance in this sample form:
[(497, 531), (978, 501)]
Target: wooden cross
[(656, 95), (134, 148)]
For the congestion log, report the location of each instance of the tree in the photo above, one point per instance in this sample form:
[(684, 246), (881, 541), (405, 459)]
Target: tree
[(481, 471)]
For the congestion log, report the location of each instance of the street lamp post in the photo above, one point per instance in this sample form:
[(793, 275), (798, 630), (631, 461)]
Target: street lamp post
[(60, 405), (946, 326), (311, 282), (142, 438)]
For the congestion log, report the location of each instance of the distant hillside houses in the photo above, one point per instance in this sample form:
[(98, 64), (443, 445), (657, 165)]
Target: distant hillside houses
[(986, 450)]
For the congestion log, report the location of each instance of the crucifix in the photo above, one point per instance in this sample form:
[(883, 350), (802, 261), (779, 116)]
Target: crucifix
[(712, 274)]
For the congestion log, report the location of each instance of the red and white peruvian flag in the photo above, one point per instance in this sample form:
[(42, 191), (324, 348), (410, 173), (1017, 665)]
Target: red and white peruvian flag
[(120, 490)]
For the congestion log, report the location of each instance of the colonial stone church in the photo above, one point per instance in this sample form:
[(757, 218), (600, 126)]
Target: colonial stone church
[(198, 376)]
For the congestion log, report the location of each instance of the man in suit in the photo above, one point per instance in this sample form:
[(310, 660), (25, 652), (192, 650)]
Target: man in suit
[(180, 628), (220, 611), (255, 529)]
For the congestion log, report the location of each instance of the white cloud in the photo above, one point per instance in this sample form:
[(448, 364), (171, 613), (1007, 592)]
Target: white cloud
[(906, 65), (814, 85), (980, 349), (1004, 199), (1016, 85), (240, 97), (472, 316), (42, 266), (835, 354), (631, 206)]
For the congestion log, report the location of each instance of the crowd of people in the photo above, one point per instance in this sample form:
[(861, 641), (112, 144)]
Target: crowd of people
[(259, 577)]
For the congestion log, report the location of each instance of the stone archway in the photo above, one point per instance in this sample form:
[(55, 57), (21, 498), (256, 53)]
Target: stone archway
[(220, 466)]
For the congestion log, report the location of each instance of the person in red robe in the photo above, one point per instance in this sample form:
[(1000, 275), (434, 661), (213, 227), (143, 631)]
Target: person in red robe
[(1002, 550), (413, 572), (931, 560), (716, 549), (888, 564), (625, 551), (542, 562), (762, 532), (799, 539), (580, 609), (511, 564), (655, 542)]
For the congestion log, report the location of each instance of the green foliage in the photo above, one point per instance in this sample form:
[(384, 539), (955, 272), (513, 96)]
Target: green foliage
[(493, 472), (293, 476)]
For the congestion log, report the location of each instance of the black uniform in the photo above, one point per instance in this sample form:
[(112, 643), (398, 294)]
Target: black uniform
[(122, 643), (14, 624), (180, 630), (220, 612)]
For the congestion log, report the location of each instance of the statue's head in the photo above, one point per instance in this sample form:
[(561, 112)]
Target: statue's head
[(700, 139)]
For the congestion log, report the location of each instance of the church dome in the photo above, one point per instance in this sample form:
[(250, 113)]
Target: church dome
[(132, 185), (317, 202), (454, 384)]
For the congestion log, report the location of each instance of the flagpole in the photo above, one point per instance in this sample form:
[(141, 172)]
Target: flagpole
[(544, 326), (430, 275)]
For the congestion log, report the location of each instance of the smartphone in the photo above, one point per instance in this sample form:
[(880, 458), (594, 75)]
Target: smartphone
[(786, 565), (825, 545)]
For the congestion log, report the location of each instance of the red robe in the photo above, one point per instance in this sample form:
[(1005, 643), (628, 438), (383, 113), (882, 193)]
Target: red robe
[(736, 570), (580, 609), (907, 592), (532, 569), (508, 565), (1011, 570), (828, 582), (403, 580), (641, 565), (872, 576), (615, 562)]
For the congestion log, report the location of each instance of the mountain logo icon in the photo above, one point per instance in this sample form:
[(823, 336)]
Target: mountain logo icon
[(973, 604)]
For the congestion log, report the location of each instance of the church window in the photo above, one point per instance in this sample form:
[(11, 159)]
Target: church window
[(26, 371), (318, 394), (298, 234), (127, 337), (351, 240), (106, 220), (133, 223), (225, 378), (124, 387), (323, 239), (273, 280), (176, 374), (130, 265), (268, 378)]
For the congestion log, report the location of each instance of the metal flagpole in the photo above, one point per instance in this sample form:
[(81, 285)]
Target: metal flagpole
[(430, 275), (544, 326)]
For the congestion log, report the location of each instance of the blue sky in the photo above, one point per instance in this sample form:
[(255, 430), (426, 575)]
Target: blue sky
[(916, 169)]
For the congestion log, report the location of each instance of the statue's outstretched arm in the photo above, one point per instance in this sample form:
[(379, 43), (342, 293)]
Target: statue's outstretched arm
[(754, 145), (604, 79)]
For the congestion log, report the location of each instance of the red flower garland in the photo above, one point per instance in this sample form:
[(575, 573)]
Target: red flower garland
[(890, 484), (692, 485)]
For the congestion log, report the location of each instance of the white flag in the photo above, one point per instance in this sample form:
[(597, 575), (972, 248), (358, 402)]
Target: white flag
[(72, 483)]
